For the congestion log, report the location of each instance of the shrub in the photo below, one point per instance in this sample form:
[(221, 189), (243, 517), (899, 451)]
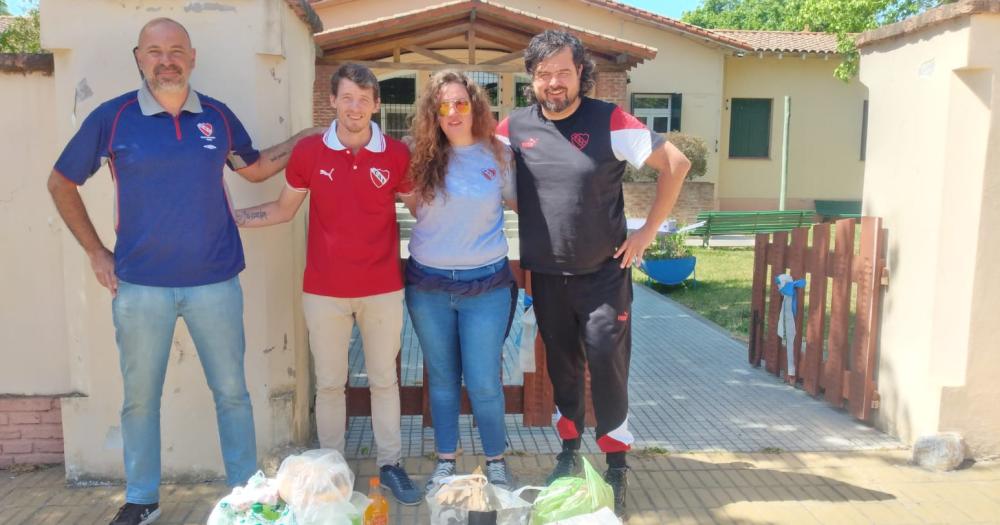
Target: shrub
[(692, 147)]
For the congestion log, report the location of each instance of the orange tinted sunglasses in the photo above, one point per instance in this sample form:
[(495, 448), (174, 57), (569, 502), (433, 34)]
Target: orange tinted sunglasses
[(462, 107)]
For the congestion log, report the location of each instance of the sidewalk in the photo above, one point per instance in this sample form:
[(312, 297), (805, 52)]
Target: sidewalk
[(716, 442), (834, 488)]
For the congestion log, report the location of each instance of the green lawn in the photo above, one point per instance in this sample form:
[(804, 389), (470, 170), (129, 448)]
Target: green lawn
[(721, 292)]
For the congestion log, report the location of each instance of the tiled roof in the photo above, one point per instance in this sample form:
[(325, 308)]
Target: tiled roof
[(664, 22), (306, 13), (784, 41)]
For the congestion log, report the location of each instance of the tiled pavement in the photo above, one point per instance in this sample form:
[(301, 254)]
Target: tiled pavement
[(830, 488), (692, 395), (690, 390)]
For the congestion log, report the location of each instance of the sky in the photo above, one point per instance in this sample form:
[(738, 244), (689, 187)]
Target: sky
[(671, 8)]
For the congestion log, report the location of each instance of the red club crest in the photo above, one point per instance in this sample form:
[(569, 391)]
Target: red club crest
[(379, 177), (205, 128), (580, 140), (490, 173)]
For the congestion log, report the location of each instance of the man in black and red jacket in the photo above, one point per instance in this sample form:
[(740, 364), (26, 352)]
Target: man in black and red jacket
[(571, 152)]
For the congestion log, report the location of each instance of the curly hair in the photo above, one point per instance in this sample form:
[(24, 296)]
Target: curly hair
[(548, 43), (431, 149)]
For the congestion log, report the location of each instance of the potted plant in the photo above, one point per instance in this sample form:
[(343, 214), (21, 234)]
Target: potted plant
[(668, 260)]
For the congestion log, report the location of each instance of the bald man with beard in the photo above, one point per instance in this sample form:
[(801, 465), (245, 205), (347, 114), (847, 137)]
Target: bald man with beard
[(177, 251)]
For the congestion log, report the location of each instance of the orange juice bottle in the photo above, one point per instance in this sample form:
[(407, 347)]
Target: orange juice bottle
[(377, 512)]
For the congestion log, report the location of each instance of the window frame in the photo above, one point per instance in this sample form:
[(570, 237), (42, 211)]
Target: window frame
[(669, 110)]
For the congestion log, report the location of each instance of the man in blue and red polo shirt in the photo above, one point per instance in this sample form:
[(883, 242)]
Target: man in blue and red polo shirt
[(352, 174), (177, 252)]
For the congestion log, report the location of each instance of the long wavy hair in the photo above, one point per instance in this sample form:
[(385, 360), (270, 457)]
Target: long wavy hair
[(431, 149)]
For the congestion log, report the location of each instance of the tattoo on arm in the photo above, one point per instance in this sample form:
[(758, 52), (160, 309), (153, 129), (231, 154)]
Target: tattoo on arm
[(278, 155), (246, 217)]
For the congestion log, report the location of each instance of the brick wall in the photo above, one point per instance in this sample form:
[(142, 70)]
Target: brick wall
[(322, 112), (612, 86), (695, 197), (30, 431)]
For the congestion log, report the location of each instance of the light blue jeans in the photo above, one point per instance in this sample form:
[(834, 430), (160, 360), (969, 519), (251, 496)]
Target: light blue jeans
[(463, 336), (145, 317)]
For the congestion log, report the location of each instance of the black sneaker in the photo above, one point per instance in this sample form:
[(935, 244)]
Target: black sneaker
[(395, 479), (136, 514), (567, 464), (617, 477)]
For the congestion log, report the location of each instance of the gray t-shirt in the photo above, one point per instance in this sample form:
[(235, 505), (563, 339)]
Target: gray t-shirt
[(462, 227)]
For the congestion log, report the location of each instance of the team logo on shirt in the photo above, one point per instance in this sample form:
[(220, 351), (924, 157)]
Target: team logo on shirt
[(327, 174), (580, 140), (530, 143), (379, 177), (206, 131), (490, 173)]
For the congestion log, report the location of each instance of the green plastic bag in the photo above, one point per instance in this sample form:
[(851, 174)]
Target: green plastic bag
[(568, 497)]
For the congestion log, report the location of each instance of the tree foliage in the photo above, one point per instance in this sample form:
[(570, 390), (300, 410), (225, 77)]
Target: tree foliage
[(23, 35), (3, 8), (841, 17)]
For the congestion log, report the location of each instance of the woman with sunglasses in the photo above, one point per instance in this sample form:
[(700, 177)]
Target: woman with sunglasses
[(459, 289)]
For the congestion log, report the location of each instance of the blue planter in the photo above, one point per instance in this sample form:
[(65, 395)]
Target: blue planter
[(669, 271)]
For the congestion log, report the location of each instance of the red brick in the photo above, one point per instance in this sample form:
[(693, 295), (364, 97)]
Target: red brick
[(10, 434), (42, 431), (38, 459), (25, 404), (25, 418), (3, 419), (52, 416), (15, 447), (6, 462), (49, 445), (56, 403)]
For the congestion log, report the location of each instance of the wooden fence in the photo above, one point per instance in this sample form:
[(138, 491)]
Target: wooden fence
[(831, 361), (533, 398)]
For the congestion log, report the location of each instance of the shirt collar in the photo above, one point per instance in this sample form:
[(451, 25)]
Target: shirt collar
[(149, 106), (375, 145)]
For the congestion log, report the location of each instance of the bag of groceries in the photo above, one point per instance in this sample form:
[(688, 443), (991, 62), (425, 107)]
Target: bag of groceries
[(571, 496), (471, 500)]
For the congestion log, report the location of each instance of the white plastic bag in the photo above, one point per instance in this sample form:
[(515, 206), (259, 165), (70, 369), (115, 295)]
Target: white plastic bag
[(455, 497), (526, 350), (255, 504), (318, 486)]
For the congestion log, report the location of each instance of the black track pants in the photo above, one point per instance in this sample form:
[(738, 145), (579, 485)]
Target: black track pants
[(587, 319)]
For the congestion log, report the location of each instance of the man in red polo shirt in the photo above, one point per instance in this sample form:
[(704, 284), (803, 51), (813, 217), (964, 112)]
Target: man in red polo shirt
[(353, 172)]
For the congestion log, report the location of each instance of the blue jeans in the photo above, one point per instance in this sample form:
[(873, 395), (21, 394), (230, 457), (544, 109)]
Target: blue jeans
[(144, 318), (463, 336)]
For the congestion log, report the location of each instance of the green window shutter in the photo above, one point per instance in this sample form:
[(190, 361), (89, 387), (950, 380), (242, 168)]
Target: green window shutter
[(750, 127)]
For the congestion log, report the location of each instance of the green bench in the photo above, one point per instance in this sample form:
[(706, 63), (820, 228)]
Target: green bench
[(838, 209), (750, 222)]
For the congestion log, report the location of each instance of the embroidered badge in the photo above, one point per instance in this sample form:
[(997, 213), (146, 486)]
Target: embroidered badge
[(379, 177), (530, 143), (206, 131), (490, 173), (580, 140)]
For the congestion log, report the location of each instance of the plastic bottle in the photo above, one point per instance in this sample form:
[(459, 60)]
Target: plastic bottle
[(377, 512)]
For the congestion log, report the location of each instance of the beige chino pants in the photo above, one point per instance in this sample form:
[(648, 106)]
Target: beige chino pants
[(380, 320)]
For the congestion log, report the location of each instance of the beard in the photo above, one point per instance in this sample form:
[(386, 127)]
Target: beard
[(557, 106), (167, 85)]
